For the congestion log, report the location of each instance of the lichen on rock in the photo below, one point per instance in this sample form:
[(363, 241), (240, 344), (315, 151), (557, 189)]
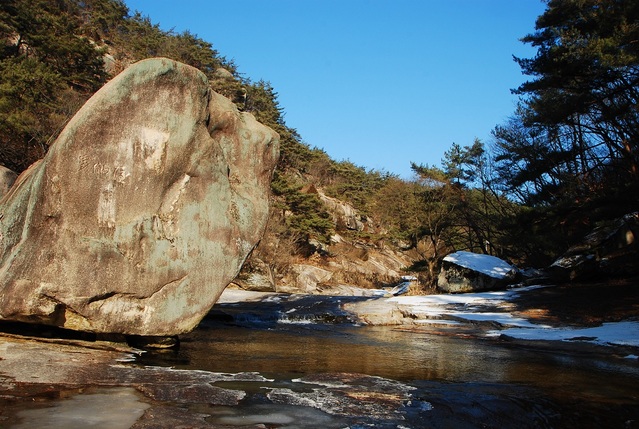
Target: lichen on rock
[(142, 211)]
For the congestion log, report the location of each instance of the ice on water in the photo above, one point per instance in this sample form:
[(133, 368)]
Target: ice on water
[(113, 408)]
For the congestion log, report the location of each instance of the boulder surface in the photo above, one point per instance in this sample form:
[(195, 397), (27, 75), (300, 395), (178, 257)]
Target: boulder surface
[(142, 211), (472, 272)]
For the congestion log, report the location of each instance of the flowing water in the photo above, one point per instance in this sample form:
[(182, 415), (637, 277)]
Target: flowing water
[(461, 380), (304, 364)]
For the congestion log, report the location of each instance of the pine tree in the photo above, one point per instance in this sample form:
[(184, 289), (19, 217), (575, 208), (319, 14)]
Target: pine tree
[(583, 99)]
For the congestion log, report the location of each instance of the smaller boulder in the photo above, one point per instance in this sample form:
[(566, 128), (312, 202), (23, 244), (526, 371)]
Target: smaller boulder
[(222, 73), (472, 272), (306, 279)]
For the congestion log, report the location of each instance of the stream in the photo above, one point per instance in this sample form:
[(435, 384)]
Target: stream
[(554, 357), (451, 379)]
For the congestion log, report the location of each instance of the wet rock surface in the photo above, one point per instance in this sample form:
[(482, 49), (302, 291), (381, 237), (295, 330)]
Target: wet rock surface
[(34, 371)]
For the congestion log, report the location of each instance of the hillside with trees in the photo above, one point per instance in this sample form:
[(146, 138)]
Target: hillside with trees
[(563, 164)]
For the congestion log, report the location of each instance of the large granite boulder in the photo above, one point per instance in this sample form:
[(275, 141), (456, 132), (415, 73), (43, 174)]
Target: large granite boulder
[(473, 272), (143, 210)]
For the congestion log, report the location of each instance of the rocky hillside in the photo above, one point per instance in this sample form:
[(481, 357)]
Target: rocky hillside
[(323, 230), (346, 259)]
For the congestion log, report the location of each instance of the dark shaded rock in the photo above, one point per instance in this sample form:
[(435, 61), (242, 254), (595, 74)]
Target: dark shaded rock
[(610, 250), (143, 342), (534, 276)]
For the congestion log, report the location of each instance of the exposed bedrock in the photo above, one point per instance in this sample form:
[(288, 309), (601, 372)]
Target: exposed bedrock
[(143, 210)]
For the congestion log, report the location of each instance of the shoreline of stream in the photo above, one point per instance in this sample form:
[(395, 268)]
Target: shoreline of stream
[(285, 361)]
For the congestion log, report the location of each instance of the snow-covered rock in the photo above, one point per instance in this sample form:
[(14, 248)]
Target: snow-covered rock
[(471, 272)]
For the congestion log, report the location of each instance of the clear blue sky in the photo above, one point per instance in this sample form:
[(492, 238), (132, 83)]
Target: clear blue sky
[(378, 82)]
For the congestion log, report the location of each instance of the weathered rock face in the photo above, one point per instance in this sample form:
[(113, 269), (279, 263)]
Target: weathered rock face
[(256, 275), (7, 179), (143, 210), (344, 215), (471, 272), (349, 265), (307, 279)]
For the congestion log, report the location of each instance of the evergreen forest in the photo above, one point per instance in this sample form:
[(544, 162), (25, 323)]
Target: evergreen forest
[(565, 162)]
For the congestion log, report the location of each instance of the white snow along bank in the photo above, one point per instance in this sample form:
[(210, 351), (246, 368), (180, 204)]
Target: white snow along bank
[(624, 333)]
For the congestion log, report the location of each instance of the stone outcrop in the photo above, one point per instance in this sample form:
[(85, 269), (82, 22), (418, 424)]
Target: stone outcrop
[(348, 265), (7, 179), (344, 265), (610, 250), (344, 215), (472, 272), (306, 279), (256, 275), (143, 210)]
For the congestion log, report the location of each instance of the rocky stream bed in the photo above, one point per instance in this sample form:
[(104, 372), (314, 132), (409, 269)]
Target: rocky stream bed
[(295, 361)]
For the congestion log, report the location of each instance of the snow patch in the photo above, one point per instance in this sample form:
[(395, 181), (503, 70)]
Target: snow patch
[(466, 299), (486, 264), (617, 333), (505, 319), (466, 307)]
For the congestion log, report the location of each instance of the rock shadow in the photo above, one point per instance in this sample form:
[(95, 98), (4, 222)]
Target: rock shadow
[(581, 304)]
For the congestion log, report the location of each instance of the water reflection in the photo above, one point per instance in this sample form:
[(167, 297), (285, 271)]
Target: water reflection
[(289, 351)]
